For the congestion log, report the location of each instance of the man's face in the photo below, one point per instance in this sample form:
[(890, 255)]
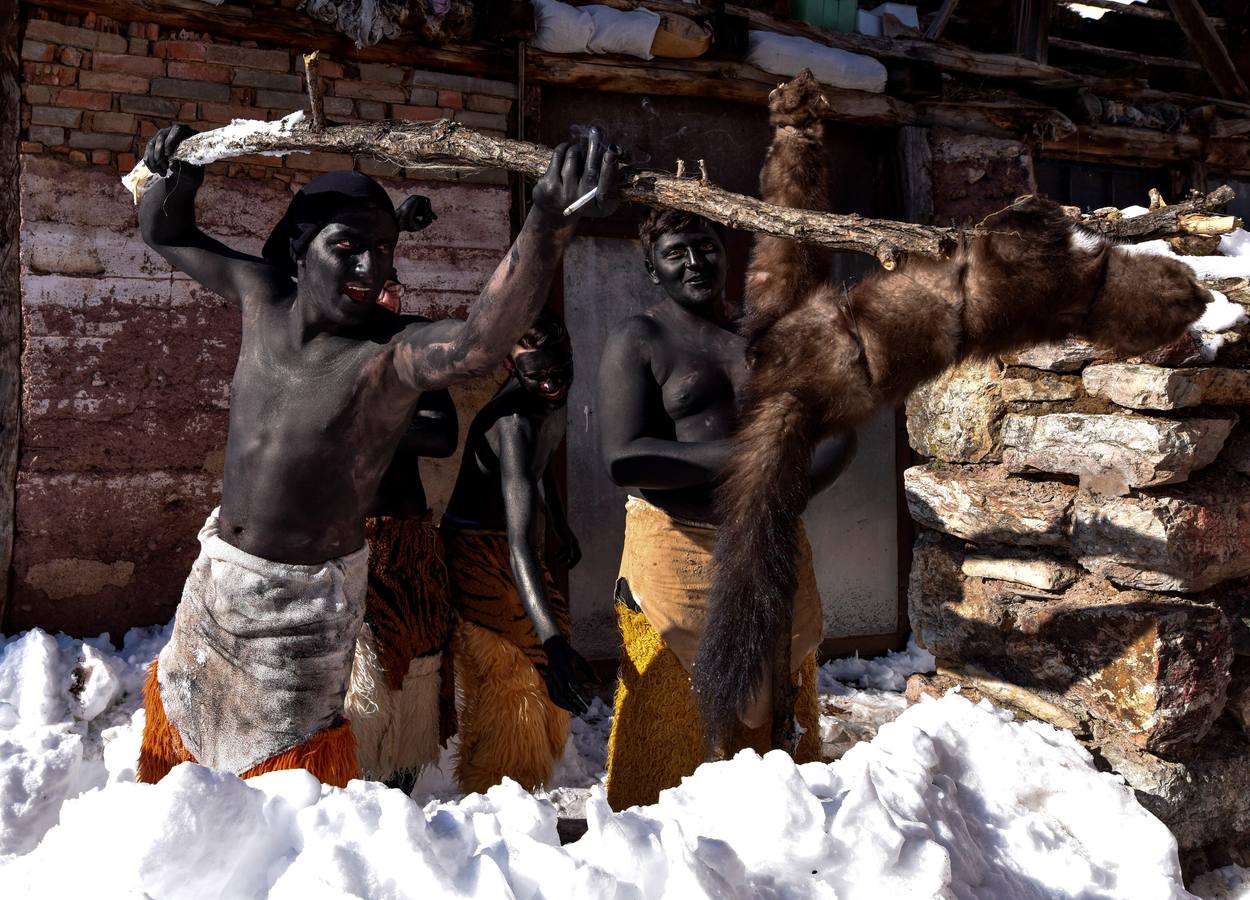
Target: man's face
[(690, 266), (545, 372), (350, 264)]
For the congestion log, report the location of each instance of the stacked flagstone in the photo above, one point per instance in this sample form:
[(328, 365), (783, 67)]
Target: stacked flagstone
[(1083, 554)]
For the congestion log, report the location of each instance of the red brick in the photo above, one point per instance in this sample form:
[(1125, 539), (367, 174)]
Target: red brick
[(480, 103), (100, 157), (319, 162), (191, 50), (49, 73), (56, 33), (273, 60), (416, 113), (147, 128), (138, 46), (381, 72), (78, 156), (327, 68), (113, 82), (71, 56), (55, 115), (125, 64), (257, 160), (366, 90), (187, 111), (184, 89), (83, 99), (125, 162), (451, 99), (150, 106), (30, 147), (118, 123), (198, 71), (223, 112), (37, 51), (36, 94), (152, 32)]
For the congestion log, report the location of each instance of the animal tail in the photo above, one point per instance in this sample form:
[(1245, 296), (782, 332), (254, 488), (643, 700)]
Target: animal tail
[(752, 602)]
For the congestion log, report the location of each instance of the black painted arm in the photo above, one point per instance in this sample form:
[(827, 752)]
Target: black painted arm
[(831, 459), (635, 435), (167, 224), (569, 552)]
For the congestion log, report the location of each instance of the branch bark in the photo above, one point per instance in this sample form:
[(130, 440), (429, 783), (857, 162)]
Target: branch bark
[(1191, 216), (409, 144)]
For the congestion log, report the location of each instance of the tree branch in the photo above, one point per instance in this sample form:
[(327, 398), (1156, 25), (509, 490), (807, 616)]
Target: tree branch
[(409, 144)]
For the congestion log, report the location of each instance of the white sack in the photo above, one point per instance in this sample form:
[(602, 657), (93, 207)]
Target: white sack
[(783, 54), (560, 28)]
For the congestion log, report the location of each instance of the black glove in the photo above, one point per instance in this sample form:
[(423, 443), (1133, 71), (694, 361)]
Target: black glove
[(415, 213), (158, 156), (566, 673)]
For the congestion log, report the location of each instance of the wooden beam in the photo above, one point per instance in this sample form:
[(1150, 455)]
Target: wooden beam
[(1210, 49), (1142, 59), (10, 289), (1130, 146), (916, 178)]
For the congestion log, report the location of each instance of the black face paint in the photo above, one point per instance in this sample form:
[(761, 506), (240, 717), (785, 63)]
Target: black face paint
[(691, 266), (545, 372), (349, 265)]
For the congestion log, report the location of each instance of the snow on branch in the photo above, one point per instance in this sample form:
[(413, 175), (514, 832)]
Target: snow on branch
[(408, 144)]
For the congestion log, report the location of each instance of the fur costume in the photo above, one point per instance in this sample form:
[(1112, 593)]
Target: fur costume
[(258, 664), (401, 701), (666, 566), (507, 723)]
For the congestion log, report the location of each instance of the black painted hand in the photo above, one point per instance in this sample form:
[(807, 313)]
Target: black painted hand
[(567, 673), (415, 213), (586, 167), (569, 553), (158, 156)]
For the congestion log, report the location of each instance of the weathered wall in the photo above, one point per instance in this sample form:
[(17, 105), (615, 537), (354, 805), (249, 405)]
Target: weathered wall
[(10, 283), (126, 365)]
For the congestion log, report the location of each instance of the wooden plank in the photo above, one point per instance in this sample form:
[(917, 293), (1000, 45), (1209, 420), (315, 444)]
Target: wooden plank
[(1210, 49), (940, 20), (1033, 28), (1125, 55), (10, 288), (915, 168), (1129, 146)]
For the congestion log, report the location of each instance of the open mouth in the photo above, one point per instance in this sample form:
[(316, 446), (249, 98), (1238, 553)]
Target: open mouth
[(387, 297)]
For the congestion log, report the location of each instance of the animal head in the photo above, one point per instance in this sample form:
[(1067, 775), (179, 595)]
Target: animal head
[(1147, 301)]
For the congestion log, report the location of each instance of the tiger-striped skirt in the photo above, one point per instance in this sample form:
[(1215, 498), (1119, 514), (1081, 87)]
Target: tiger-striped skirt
[(401, 699), (507, 723)]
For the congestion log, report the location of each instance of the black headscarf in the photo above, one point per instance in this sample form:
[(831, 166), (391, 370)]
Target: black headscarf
[(314, 206)]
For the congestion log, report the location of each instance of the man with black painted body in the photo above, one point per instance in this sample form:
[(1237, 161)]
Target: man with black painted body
[(326, 383), (670, 386)]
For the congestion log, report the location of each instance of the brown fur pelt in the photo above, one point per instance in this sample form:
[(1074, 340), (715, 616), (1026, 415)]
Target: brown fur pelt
[(824, 359)]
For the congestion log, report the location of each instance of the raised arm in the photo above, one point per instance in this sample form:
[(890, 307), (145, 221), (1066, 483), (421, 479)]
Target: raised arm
[(565, 668), (636, 437), (167, 224), (436, 356)]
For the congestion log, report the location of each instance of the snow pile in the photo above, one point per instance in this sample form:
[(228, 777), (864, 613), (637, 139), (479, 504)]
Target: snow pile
[(1232, 261), (1228, 883), (884, 673), (68, 723), (949, 800)]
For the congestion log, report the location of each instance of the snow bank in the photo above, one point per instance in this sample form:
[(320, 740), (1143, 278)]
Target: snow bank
[(1228, 883), (950, 800), (885, 673)]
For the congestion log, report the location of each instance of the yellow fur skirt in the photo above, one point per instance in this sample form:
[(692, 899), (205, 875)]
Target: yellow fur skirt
[(508, 726), (401, 699)]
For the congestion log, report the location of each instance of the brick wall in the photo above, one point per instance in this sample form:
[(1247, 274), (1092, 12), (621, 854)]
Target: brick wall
[(125, 364)]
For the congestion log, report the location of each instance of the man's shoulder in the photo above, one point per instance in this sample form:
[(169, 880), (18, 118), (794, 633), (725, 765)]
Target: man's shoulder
[(639, 328)]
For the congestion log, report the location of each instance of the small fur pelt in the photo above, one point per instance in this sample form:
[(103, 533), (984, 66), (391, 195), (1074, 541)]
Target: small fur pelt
[(824, 359)]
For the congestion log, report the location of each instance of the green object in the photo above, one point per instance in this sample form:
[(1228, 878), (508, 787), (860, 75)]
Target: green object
[(836, 14)]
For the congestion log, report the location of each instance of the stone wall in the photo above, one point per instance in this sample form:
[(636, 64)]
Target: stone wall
[(126, 365), (1083, 559)]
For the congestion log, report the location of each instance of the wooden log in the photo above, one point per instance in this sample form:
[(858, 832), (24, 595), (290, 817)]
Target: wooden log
[(1166, 221), (1209, 48), (940, 20), (1033, 28), (409, 144), (312, 79), (1125, 55)]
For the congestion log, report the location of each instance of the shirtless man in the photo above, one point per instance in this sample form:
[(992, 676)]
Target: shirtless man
[(669, 386), (516, 673), (326, 383)]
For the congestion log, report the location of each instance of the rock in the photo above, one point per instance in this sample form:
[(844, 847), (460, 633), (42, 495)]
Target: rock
[(1153, 667), (1112, 453), (955, 417), (1153, 387), (1202, 798), (1185, 538), (1239, 693), (1022, 384), (1237, 452), (1067, 356), (983, 504), (1043, 573)]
